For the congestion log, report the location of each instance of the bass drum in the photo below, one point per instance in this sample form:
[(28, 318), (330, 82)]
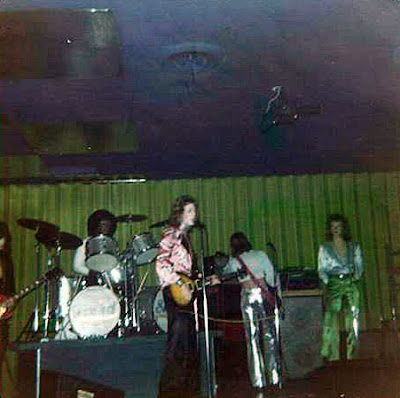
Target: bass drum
[(94, 312), (152, 312)]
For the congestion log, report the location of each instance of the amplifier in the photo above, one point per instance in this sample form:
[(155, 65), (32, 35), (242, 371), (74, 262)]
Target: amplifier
[(299, 278)]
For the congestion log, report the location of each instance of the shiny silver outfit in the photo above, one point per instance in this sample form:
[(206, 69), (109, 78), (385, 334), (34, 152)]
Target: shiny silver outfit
[(263, 353), (340, 277), (261, 340)]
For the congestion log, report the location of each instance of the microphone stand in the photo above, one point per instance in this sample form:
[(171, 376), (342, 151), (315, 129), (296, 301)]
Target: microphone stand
[(278, 348), (277, 322), (210, 369)]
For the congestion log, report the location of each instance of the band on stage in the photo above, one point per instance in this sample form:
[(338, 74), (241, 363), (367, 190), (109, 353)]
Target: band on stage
[(102, 298)]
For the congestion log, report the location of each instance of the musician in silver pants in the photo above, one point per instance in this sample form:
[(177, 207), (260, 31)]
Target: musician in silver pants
[(263, 351), (261, 340)]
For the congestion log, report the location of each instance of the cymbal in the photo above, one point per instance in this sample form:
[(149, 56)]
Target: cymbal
[(159, 224), (130, 218), (30, 223), (64, 240)]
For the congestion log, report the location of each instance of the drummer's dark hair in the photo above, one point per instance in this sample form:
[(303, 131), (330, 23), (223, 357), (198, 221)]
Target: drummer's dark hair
[(94, 223), (239, 244), (177, 208)]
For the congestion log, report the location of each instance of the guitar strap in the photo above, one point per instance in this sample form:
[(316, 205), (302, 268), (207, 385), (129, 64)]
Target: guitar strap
[(252, 276), (266, 293)]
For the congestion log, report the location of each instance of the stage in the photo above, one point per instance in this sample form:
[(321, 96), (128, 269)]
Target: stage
[(116, 367), (131, 365), (130, 368)]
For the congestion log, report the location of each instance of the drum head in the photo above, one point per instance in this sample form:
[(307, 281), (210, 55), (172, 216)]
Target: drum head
[(94, 312), (144, 248), (101, 262), (101, 253), (160, 313), (146, 257)]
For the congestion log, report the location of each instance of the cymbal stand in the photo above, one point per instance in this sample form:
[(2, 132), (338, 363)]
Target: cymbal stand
[(132, 302), (128, 319), (133, 320), (54, 293), (46, 316), (35, 320)]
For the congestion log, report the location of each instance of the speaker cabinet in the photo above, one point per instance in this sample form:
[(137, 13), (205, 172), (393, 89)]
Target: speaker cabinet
[(301, 332)]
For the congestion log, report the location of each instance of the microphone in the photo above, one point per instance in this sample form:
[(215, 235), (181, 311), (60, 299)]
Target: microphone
[(198, 224), (271, 246)]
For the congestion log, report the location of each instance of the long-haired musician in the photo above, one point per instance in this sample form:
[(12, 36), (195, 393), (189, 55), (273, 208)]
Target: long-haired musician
[(175, 258), (7, 287), (340, 267)]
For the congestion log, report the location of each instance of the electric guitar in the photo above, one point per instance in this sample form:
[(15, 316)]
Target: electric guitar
[(179, 289), (7, 304)]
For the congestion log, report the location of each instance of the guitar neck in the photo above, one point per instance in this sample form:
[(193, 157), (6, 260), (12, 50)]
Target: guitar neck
[(234, 275), (23, 292), (13, 299)]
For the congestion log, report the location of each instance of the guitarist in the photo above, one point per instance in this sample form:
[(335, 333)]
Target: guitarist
[(179, 374), (7, 287), (258, 278)]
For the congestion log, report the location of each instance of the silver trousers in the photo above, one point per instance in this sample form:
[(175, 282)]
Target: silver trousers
[(263, 354)]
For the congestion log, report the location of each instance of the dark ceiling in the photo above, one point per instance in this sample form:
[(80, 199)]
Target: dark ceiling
[(166, 89)]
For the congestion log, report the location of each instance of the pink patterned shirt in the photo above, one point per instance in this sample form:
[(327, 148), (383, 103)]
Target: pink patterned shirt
[(172, 257)]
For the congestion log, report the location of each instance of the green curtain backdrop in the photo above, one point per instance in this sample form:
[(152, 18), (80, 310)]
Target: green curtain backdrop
[(289, 211)]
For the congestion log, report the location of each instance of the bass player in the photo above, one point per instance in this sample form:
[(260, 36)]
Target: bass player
[(257, 305)]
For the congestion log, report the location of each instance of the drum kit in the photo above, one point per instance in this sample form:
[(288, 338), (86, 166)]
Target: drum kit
[(105, 303)]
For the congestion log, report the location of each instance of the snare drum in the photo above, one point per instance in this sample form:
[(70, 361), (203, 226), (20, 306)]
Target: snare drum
[(101, 253), (144, 248), (118, 274), (94, 312)]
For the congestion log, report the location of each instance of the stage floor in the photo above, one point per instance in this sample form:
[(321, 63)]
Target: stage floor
[(361, 378), (133, 367)]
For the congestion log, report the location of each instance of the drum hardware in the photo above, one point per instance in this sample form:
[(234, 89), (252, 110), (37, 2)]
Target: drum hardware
[(67, 288), (42, 227), (59, 241), (46, 318), (118, 274), (141, 250)]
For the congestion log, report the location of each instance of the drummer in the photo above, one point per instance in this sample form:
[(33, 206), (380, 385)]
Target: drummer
[(101, 222)]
